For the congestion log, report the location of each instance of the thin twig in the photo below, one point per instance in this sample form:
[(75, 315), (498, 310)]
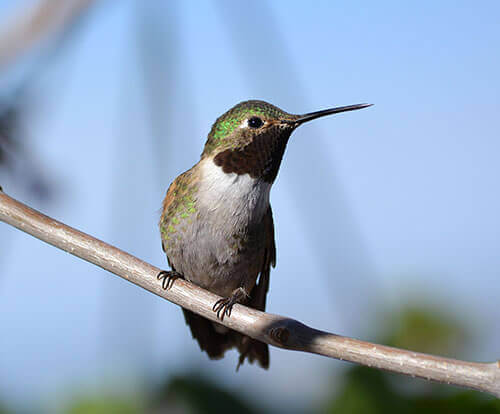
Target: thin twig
[(273, 329)]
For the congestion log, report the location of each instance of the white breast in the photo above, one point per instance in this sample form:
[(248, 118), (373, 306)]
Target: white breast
[(239, 198)]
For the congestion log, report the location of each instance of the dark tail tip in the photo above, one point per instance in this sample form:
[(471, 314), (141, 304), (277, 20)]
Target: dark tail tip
[(215, 344), (210, 341), (253, 350)]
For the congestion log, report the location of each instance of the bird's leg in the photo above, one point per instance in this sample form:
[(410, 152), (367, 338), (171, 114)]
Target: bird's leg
[(223, 306), (168, 277)]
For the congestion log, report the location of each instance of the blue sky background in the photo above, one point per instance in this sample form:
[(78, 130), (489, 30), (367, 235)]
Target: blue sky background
[(372, 208)]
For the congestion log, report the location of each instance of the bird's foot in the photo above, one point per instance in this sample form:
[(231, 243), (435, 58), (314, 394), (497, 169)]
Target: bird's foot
[(224, 306), (168, 278)]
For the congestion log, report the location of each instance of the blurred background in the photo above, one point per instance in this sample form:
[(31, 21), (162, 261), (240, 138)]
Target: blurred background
[(387, 219)]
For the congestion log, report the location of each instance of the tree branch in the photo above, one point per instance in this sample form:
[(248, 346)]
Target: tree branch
[(34, 23), (273, 329)]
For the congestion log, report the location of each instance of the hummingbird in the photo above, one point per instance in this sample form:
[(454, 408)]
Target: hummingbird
[(217, 224)]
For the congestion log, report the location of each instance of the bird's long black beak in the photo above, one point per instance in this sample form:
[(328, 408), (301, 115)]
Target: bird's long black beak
[(313, 115)]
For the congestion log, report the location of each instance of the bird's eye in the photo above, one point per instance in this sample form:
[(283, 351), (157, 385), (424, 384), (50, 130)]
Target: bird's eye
[(255, 122)]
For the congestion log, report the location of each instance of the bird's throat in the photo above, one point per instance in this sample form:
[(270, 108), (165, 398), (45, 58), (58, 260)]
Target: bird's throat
[(261, 158)]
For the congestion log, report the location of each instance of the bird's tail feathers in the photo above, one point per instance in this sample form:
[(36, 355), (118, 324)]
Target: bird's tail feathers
[(215, 342)]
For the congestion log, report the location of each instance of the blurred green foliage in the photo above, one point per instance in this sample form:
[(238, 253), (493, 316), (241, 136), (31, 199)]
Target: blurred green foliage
[(419, 328), (371, 391), (423, 329), (3, 410), (104, 405), (195, 393)]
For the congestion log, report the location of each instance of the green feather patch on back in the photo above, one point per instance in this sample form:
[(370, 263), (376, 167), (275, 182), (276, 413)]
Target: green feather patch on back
[(180, 206)]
